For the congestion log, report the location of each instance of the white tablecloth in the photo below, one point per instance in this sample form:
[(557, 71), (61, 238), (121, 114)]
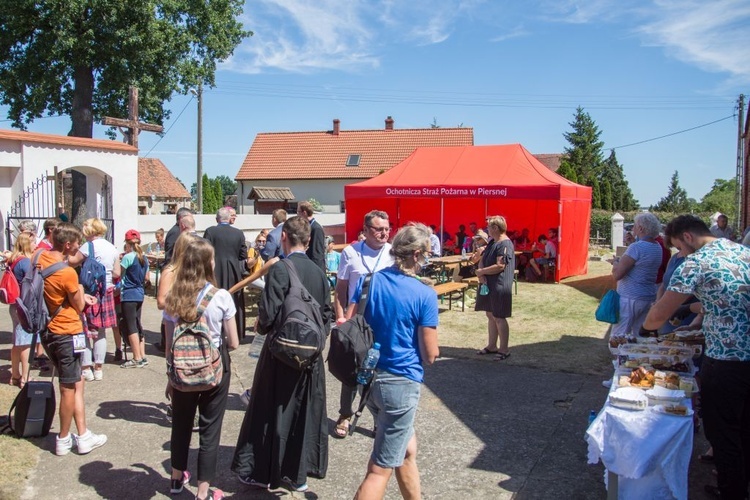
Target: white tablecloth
[(649, 451)]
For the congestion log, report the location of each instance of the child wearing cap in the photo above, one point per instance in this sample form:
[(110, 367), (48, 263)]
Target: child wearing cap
[(134, 272)]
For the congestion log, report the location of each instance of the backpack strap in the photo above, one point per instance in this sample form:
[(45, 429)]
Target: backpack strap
[(365, 295), (92, 253), (49, 271), (293, 275), (207, 297)]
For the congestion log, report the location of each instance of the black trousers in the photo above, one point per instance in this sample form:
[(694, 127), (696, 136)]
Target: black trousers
[(212, 404), (346, 400), (725, 399)]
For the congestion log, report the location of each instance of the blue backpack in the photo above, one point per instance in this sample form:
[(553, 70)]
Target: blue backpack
[(93, 275)]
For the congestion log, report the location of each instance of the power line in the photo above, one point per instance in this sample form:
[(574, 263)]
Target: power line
[(170, 127), (675, 133)]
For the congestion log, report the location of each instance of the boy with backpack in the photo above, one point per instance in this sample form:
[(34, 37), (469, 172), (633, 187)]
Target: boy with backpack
[(65, 340)]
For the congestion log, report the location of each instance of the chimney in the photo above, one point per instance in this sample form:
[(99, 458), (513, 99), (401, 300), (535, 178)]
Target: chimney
[(336, 126), (389, 123)]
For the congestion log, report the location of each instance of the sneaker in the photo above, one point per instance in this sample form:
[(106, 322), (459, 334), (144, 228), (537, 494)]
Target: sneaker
[(98, 374), (131, 363), (294, 486), (177, 484), (63, 446), (143, 362), (252, 482), (90, 441), (88, 374), (118, 355), (196, 423), (245, 397)]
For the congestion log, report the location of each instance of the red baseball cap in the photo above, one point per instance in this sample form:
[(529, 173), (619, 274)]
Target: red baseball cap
[(132, 235)]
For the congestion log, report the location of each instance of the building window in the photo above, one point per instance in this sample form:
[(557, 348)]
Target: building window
[(353, 160), (342, 206)]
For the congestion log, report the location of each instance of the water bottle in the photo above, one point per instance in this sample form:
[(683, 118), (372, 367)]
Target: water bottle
[(592, 417), (368, 367), (463, 253)]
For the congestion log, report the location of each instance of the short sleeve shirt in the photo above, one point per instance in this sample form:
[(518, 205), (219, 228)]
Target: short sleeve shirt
[(397, 307), (640, 282), (359, 259), (718, 274), (219, 309), (56, 289), (133, 277)]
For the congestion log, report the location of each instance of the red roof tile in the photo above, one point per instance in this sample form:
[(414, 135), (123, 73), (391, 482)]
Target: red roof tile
[(64, 140), (155, 178), (551, 161), (323, 155)]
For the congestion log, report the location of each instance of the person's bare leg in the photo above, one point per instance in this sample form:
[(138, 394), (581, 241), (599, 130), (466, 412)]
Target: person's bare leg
[(79, 415), (15, 363), (118, 338), (503, 334), (25, 350), (374, 484), (72, 408), (408, 474), (135, 346), (535, 267), (492, 332)]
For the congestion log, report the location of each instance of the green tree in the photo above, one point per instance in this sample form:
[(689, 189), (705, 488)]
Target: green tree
[(606, 190), (612, 173), (596, 194), (78, 58), (227, 185), (721, 198), (584, 155), (567, 171), (676, 200), (211, 201)]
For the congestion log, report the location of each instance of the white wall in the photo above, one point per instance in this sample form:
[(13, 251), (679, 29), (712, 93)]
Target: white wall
[(248, 224)]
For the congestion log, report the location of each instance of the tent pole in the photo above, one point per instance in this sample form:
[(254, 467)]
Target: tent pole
[(442, 227)]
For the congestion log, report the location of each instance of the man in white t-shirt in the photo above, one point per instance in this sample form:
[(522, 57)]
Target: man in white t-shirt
[(359, 259)]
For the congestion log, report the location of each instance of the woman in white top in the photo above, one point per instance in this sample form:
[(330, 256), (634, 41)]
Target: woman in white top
[(101, 316), (193, 278)]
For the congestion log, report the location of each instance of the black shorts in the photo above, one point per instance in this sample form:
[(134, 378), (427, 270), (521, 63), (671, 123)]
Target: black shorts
[(131, 318), (59, 349)]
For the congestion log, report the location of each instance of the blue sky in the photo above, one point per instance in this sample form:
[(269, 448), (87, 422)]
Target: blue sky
[(514, 71)]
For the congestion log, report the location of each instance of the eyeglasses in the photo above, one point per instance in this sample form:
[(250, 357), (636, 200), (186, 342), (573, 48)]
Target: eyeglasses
[(380, 229)]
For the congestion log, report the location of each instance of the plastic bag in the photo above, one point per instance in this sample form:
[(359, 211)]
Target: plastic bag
[(609, 308)]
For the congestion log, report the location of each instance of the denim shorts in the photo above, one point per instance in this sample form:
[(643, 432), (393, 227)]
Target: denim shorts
[(59, 349), (393, 402)]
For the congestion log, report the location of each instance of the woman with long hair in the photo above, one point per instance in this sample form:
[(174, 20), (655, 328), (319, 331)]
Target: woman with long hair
[(19, 263), (193, 279), (402, 311), (134, 272), (495, 275), (102, 315)]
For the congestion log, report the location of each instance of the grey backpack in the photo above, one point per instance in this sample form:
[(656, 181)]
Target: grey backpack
[(31, 307)]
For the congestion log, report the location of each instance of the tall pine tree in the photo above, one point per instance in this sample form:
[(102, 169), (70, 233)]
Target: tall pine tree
[(676, 200), (584, 156), (622, 196)]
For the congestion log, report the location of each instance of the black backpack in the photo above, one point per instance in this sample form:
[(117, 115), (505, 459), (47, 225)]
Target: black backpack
[(33, 410), (299, 333), (350, 342)]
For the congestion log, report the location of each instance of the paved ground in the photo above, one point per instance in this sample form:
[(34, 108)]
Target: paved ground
[(485, 430)]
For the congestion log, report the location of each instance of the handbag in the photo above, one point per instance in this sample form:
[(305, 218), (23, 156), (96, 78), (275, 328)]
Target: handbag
[(609, 308)]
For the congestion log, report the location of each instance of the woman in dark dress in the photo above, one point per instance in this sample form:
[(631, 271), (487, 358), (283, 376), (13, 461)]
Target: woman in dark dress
[(496, 271)]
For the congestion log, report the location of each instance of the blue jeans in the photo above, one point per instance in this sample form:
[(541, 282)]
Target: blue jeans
[(393, 402)]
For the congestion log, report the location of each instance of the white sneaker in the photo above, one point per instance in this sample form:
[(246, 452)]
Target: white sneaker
[(88, 374), (90, 441), (63, 446), (98, 374)]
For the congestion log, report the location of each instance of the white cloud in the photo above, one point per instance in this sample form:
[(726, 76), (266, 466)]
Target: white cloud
[(304, 36), (710, 34), (517, 32)]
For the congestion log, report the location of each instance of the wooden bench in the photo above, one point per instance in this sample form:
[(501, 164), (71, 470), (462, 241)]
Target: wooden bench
[(450, 290)]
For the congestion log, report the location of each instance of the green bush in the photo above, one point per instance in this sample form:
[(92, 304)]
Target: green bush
[(601, 221)]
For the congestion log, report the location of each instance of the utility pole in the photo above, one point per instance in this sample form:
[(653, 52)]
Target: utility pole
[(741, 221), (200, 149)]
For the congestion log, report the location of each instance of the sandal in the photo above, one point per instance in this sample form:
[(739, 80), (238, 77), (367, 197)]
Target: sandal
[(484, 351), (502, 356), (17, 382), (342, 428)]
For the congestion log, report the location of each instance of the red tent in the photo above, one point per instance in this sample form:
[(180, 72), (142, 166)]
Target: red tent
[(448, 186)]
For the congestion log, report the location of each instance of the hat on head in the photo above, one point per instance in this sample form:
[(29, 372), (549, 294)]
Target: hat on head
[(481, 235), (132, 234)]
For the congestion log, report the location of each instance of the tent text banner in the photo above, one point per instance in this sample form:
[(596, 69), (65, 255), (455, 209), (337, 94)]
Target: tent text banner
[(448, 191)]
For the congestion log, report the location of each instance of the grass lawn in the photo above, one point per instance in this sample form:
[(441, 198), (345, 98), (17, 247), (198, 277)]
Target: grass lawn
[(552, 327)]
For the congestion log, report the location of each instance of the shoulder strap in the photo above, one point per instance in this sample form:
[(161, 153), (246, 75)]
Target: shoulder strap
[(364, 295), (48, 271), (92, 253), (207, 297), (293, 276)]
